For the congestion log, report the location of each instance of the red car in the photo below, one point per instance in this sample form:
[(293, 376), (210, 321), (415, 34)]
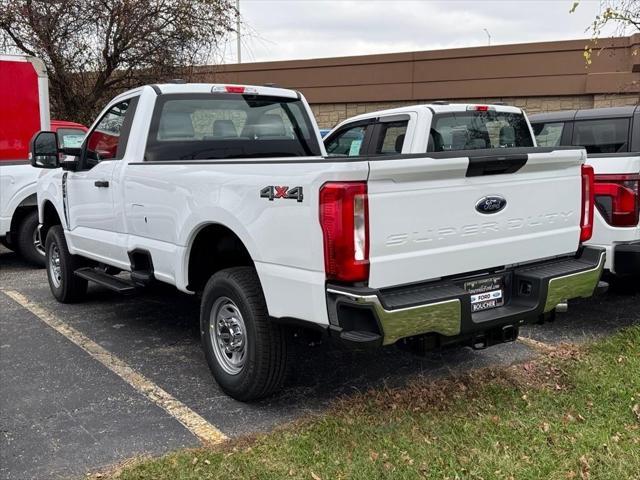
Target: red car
[(70, 134)]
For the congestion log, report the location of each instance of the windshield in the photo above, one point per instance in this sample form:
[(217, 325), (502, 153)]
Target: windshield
[(226, 126), (70, 137), (474, 130)]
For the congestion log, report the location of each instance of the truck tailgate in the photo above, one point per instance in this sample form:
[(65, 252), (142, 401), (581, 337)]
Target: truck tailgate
[(424, 222)]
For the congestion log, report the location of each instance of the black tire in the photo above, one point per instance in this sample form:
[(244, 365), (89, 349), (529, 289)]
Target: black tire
[(6, 244), (66, 287), (265, 343), (623, 285), (26, 240)]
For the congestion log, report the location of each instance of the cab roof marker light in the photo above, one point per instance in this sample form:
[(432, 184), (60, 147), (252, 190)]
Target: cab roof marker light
[(480, 108), (234, 89)]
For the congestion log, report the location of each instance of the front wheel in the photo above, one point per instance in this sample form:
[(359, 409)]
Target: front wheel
[(28, 242), (6, 244), (61, 265), (246, 352)]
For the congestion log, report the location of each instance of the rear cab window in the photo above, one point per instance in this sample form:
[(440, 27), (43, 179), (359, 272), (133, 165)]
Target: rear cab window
[(229, 126), (471, 130)]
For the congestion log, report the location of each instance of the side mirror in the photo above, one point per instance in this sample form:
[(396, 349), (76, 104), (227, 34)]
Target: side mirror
[(43, 151), (70, 160)]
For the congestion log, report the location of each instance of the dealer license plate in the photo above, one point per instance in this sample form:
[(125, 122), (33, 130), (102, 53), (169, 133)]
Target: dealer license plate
[(485, 293)]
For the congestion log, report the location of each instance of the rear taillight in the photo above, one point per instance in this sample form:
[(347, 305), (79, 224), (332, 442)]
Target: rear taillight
[(344, 218), (586, 218), (618, 199)]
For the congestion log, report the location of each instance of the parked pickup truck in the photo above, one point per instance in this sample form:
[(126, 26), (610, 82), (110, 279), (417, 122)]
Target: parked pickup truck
[(611, 137), (226, 191), (24, 110)]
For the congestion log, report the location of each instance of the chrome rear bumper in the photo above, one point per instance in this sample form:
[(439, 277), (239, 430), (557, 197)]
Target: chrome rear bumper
[(443, 308)]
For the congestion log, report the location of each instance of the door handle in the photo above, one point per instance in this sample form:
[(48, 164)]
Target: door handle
[(101, 183)]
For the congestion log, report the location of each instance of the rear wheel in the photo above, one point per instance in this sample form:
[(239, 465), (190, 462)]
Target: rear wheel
[(625, 285), (28, 241), (246, 352), (61, 265)]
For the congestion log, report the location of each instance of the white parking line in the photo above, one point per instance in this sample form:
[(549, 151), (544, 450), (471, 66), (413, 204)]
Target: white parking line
[(197, 425)]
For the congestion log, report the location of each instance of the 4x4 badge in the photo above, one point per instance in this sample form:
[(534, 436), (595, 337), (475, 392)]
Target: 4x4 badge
[(272, 192)]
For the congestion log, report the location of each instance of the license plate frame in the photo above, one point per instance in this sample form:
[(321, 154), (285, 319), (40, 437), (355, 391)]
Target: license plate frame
[(486, 293)]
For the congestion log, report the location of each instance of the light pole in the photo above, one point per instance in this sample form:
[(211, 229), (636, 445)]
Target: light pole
[(238, 30), (485, 31)]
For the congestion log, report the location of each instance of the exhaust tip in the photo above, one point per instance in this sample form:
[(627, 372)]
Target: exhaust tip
[(479, 342), (562, 307), (601, 288)]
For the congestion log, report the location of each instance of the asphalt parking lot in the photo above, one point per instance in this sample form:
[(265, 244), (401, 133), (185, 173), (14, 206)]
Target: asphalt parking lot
[(63, 413)]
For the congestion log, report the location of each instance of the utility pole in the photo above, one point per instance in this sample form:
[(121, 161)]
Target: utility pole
[(238, 30)]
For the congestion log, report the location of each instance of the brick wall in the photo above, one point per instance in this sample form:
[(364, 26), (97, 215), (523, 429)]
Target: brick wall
[(329, 114)]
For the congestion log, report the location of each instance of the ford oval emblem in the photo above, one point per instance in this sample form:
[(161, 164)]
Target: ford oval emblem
[(491, 204)]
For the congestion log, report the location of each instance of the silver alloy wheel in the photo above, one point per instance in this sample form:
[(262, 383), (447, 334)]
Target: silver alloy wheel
[(37, 242), (55, 270), (228, 335)]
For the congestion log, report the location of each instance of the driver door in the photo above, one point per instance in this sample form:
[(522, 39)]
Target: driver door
[(90, 201)]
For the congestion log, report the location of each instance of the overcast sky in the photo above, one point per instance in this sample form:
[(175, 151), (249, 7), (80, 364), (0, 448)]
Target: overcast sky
[(295, 29)]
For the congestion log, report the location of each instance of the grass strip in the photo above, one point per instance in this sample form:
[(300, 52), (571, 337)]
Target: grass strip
[(572, 413)]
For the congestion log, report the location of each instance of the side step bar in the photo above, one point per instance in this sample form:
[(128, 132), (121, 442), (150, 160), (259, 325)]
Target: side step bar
[(102, 278), (361, 338)]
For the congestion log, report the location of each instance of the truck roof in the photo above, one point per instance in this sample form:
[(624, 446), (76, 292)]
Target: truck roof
[(589, 113), (55, 124), (169, 88), (435, 108)]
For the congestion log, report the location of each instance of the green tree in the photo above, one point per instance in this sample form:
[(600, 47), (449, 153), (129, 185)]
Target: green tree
[(95, 48)]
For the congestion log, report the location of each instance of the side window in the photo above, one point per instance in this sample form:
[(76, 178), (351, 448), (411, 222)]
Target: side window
[(391, 137), (548, 134), (347, 141), (602, 136), (108, 140)]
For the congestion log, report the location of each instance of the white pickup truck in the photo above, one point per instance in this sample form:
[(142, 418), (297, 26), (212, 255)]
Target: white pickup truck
[(24, 109), (227, 191), (611, 137)]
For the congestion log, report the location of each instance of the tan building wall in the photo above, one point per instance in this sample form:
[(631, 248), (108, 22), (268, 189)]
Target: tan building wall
[(539, 77), (330, 114)]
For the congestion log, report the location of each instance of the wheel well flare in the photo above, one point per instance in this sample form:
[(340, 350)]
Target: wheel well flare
[(214, 248)]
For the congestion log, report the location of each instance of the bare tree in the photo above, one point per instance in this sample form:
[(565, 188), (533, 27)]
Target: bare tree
[(94, 48), (621, 17)]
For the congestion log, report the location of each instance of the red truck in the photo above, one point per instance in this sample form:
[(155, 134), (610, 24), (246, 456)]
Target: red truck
[(24, 110)]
